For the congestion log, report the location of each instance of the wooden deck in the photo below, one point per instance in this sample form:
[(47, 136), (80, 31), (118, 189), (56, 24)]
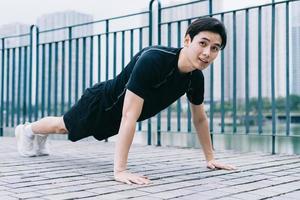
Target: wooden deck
[(83, 170)]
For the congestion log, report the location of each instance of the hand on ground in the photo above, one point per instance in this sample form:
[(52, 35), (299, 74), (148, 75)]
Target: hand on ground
[(130, 178), (213, 164)]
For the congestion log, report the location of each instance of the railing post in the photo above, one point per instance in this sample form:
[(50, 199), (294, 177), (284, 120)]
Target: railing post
[(151, 22), (107, 53), (222, 87), (151, 35), (107, 48), (7, 86), (273, 76), (70, 66), (211, 108), (234, 73), (287, 89), (36, 66), (24, 103), (2, 87), (32, 47), (210, 7), (247, 109), (259, 53), (150, 43)]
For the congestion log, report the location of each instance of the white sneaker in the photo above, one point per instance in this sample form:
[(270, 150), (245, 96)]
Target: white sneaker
[(41, 146), (24, 142)]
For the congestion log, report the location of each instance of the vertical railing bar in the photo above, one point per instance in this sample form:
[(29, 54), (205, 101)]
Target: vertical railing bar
[(25, 85), (7, 85), (70, 67), (43, 80), (140, 48), (107, 53), (91, 59), (159, 43), (13, 87), (247, 71), (83, 63), (210, 7), (55, 78), (222, 87), (169, 108), (211, 101), (49, 78), (115, 54), (234, 73), (179, 100), (131, 43), (107, 48), (99, 58), (19, 85), (149, 131), (123, 50), (36, 109), (30, 77), (63, 60), (189, 114), (2, 86), (287, 43), (259, 103), (76, 68), (273, 77), (211, 86)]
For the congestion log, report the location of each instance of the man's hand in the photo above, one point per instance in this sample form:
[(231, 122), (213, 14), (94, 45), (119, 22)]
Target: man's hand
[(129, 178), (213, 164)]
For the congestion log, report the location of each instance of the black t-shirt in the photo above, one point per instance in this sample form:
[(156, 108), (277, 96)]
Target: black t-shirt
[(153, 75)]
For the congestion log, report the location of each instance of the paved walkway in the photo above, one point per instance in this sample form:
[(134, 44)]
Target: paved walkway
[(83, 170)]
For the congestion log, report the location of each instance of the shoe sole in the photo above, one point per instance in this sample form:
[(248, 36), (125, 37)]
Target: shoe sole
[(42, 154)]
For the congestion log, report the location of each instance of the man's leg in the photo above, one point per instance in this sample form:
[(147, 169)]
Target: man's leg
[(49, 125), (32, 137)]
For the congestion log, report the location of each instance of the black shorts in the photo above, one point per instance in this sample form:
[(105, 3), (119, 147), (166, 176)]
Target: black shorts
[(89, 118)]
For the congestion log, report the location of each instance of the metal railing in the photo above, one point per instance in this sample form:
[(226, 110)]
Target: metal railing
[(42, 77)]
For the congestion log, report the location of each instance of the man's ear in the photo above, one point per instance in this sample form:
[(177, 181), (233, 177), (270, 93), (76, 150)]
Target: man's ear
[(187, 40)]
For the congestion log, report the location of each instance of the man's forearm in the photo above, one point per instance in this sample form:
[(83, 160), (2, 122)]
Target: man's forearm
[(202, 129), (123, 143)]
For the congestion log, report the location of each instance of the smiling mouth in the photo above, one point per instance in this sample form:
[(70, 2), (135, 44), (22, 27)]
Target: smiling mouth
[(203, 60)]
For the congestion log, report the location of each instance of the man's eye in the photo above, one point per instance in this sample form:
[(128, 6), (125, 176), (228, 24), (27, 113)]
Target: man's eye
[(203, 44), (215, 49)]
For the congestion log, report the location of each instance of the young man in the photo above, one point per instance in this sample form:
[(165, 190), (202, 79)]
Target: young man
[(155, 78)]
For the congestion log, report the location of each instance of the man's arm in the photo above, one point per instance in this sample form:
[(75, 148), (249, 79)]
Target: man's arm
[(201, 125), (132, 109)]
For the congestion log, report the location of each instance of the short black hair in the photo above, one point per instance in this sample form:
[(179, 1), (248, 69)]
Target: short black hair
[(207, 24)]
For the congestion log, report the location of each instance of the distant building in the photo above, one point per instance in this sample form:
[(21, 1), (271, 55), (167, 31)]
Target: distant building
[(64, 19), (15, 29)]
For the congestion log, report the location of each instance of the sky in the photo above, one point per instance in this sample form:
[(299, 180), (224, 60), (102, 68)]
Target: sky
[(27, 11)]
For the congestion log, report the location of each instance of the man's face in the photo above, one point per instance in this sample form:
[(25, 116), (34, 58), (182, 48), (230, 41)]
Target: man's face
[(203, 50)]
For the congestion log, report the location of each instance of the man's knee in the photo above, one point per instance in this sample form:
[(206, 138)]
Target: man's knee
[(60, 126)]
